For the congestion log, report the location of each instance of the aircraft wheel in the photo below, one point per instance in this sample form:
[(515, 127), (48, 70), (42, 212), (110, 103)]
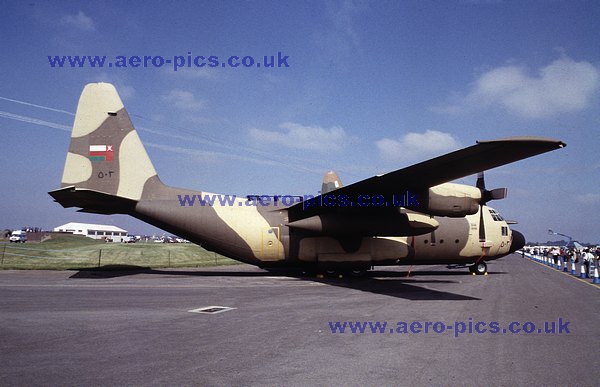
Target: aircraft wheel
[(310, 272), (478, 268), (357, 273)]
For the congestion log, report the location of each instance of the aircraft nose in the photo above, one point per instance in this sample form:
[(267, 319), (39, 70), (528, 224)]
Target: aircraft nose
[(518, 241)]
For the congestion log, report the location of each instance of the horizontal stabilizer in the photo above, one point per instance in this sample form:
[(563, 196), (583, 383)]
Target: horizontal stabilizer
[(93, 201)]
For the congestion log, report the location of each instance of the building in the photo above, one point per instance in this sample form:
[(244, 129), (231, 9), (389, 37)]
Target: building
[(95, 231)]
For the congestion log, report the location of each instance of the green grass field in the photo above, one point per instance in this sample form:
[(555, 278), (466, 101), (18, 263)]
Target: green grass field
[(75, 252)]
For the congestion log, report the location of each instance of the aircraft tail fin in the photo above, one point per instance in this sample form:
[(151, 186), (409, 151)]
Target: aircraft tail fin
[(331, 182), (106, 156)]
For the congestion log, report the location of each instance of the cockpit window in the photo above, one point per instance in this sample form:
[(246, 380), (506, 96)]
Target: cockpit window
[(496, 215)]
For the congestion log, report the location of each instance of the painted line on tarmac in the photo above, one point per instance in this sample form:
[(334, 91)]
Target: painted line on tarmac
[(568, 274), (126, 286)]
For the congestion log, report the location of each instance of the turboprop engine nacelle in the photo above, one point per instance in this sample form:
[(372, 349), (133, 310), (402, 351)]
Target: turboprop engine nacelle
[(449, 199), (397, 223)]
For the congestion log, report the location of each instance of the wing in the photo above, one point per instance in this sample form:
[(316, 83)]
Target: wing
[(482, 156)]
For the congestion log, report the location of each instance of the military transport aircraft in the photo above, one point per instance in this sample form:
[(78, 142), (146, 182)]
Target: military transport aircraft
[(411, 216)]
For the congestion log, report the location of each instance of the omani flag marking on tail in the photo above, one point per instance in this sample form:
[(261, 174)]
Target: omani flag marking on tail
[(101, 153)]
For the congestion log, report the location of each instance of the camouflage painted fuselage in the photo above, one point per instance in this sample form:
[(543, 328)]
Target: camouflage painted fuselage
[(108, 171)]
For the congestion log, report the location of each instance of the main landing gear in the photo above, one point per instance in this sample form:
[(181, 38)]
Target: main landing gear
[(356, 273), (478, 268)]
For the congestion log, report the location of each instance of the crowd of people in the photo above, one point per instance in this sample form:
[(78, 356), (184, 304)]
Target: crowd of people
[(588, 256)]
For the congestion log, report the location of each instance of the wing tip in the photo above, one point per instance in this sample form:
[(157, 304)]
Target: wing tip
[(529, 139)]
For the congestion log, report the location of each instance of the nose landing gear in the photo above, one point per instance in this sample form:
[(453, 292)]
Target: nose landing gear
[(479, 268)]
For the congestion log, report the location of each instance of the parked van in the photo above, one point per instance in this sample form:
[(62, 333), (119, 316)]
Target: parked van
[(18, 236)]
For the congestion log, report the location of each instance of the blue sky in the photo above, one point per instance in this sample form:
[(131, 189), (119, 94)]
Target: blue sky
[(371, 87)]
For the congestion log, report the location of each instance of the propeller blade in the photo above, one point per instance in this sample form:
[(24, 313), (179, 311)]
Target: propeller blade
[(481, 225), (480, 181), (498, 193), (487, 195)]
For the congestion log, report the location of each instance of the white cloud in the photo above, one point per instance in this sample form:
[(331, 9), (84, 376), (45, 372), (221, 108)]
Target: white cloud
[(184, 100), (198, 155), (193, 72), (80, 21), (297, 136), (342, 18), (339, 36), (125, 90), (416, 145), (589, 198), (205, 156), (563, 86)]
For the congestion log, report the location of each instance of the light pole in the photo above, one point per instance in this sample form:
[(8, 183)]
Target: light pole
[(557, 233)]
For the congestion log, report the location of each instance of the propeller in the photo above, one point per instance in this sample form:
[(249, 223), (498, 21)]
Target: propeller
[(486, 196)]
